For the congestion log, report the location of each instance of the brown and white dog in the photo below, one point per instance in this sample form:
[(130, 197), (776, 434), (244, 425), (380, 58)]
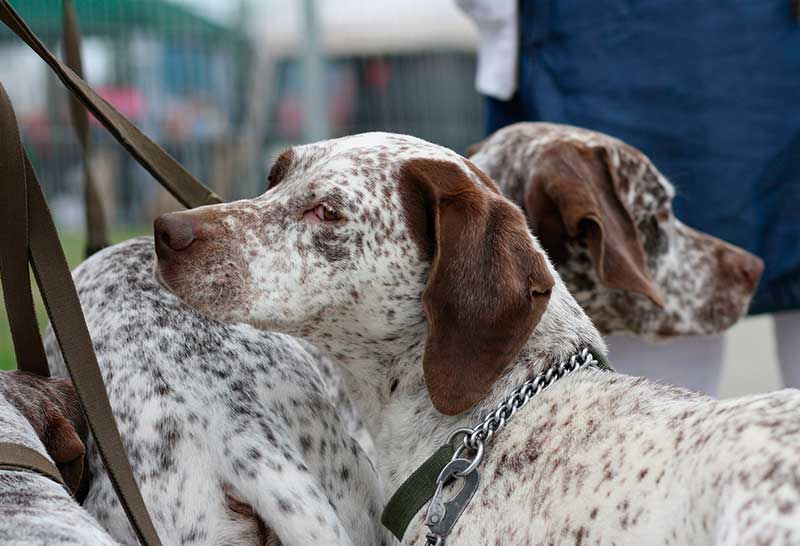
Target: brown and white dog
[(603, 212), (403, 262)]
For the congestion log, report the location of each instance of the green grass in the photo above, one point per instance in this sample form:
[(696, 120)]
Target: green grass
[(73, 244)]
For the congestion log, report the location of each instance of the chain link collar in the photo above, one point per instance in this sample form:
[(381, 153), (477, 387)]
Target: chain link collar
[(442, 513), (477, 437)]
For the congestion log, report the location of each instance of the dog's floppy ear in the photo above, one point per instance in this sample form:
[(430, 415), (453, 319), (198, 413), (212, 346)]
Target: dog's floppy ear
[(575, 192), (487, 287), (52, 408)]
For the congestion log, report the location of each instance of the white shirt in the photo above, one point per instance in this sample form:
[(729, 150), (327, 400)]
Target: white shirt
[(499, 45)]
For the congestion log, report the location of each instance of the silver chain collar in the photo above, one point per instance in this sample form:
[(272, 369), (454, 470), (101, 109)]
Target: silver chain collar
[(442, 513)]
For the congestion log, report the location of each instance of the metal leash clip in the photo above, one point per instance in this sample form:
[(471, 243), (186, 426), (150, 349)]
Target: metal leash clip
[(443, 513)]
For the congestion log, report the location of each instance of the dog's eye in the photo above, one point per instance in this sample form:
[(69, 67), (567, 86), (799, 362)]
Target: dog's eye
[(326, 214)]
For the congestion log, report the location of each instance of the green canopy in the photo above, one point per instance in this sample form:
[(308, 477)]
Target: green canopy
[(110, 17)]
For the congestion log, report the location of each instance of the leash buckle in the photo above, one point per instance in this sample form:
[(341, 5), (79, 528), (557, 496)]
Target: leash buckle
[(443, 513)]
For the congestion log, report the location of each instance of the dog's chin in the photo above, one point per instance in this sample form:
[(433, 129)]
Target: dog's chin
[(160, 276), (725, 313), (173, 283), (169, 279)]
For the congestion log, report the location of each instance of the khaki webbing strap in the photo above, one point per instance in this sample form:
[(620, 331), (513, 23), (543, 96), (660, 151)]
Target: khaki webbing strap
[(14, 272), (169, 173), (63, 307), (19, 457), (96, 237)]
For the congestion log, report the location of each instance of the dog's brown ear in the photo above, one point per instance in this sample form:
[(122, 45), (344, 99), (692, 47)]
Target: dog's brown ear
[(487, 287), (575, 192), (67, 433), (52, 408)]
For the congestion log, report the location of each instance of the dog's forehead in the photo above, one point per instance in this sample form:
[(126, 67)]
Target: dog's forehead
[(355, 145), (368, 158), (630, 162), (530, 137)]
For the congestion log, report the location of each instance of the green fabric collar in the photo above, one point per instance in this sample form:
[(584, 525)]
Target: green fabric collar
[(413, 493), (419, 487)]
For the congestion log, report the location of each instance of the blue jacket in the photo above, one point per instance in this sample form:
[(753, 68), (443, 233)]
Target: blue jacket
[(709, 89)]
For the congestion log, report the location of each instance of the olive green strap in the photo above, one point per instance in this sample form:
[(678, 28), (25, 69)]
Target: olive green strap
[(19, 457), (96, 237), (27, 234), (63, 307), (602, 361), (413, 493), (14, 270), (171, 174)]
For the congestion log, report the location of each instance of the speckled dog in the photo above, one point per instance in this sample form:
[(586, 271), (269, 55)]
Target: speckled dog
[(230, 431), (603, 213), (403, 262), (33, 508)]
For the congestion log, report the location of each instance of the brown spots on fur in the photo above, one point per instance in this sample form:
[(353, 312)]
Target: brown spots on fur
[(331, 244), (771, 471), (580, 535)]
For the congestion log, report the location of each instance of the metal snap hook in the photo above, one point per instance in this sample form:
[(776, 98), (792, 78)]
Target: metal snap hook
[(442, 514)]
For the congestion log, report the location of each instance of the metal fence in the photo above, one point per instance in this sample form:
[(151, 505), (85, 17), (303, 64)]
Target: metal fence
[(221, 99)]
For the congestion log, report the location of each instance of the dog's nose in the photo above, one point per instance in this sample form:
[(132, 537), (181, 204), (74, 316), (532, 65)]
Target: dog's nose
[(745, 267), (174, 231), (752, 268)]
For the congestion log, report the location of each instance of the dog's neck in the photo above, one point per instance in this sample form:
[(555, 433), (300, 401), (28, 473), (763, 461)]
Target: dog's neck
[(390, 392)]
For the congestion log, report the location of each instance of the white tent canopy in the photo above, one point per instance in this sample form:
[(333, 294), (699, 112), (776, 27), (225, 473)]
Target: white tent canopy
[(353, 27)]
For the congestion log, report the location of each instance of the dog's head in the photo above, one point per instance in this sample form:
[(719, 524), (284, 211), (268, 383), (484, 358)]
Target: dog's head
[(603, 212), (371, 241)]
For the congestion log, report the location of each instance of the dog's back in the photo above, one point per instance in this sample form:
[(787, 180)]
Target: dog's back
[(604, 458)]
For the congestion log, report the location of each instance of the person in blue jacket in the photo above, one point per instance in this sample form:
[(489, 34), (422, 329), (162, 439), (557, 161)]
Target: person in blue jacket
[(710, 91)]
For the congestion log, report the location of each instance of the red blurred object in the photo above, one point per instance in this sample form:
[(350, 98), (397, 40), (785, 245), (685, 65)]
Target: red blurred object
[(36, 127), (379, 73), (128, 100)]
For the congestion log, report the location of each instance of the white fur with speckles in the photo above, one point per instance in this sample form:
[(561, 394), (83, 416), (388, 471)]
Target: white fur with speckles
[(210, 413)]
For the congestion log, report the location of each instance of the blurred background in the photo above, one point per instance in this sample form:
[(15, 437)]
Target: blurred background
[(224, 86)]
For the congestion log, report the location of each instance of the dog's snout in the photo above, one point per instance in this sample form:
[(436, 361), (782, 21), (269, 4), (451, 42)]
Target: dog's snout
[(746, 267), (174, 231), (752, 268)]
